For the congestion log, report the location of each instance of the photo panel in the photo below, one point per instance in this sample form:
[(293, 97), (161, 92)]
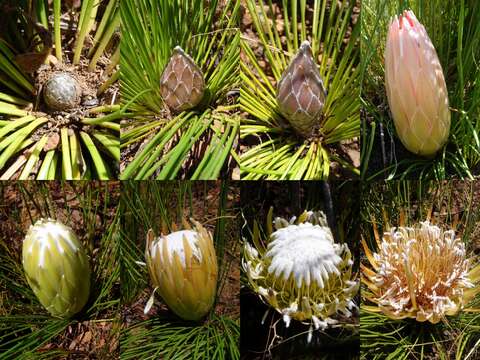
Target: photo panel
[(59, 270), (180, 270), (420, 269), (180, 79), (59, 92), (301, 79), (300, 278), (420, 90)]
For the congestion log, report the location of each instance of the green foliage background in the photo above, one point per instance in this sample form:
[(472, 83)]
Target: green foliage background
[(453, 28)]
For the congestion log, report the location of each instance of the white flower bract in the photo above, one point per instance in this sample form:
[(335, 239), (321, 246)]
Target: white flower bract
[(307, 251)]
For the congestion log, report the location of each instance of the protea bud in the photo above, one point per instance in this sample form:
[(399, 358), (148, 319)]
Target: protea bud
[(62, 92), (182, 85), (415, 86), (303, 274), (300, 92), (420, 272), (56, 267), (183, 267)]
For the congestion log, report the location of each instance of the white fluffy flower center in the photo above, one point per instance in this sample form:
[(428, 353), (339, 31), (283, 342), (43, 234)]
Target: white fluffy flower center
[(307, 251), (175, 245)]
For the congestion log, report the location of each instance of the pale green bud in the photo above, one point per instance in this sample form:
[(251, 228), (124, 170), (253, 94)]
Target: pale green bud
[(183, 268), (56, 267)]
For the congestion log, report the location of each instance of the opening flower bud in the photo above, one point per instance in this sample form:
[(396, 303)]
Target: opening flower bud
[(415, 85), (182, 85), (301, 93), (56, 267), (183, 268)]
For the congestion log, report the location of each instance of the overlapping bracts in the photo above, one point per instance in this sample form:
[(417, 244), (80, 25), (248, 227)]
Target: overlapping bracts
[(415, 85)]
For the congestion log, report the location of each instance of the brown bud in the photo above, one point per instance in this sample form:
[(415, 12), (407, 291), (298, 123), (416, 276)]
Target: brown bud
[(182, 85), (301, 93)]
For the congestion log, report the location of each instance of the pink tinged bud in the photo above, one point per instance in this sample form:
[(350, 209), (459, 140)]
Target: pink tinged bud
[(415, 85), (301, 93), (182, 85)]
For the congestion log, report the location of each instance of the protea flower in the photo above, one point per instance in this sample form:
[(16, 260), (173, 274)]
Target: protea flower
[(56, 267), (415, 86), (183, 267), (420, 272), (302, 273), (182, 85), (300, 92)]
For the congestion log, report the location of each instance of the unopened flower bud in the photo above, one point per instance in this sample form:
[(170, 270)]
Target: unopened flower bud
[(415, 85), (56, 267), (182, 85), (300, 92)]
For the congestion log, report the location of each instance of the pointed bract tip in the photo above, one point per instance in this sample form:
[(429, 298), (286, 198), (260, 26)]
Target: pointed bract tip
[(305, 43)]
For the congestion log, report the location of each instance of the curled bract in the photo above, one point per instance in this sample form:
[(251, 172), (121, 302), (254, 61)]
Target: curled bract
[(183, 268), (56, 267)]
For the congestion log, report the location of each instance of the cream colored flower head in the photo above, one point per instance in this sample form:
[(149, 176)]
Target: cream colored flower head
[(420, 272), (302, 273)]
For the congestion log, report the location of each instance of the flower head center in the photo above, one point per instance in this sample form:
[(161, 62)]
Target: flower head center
[(306, 252)]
